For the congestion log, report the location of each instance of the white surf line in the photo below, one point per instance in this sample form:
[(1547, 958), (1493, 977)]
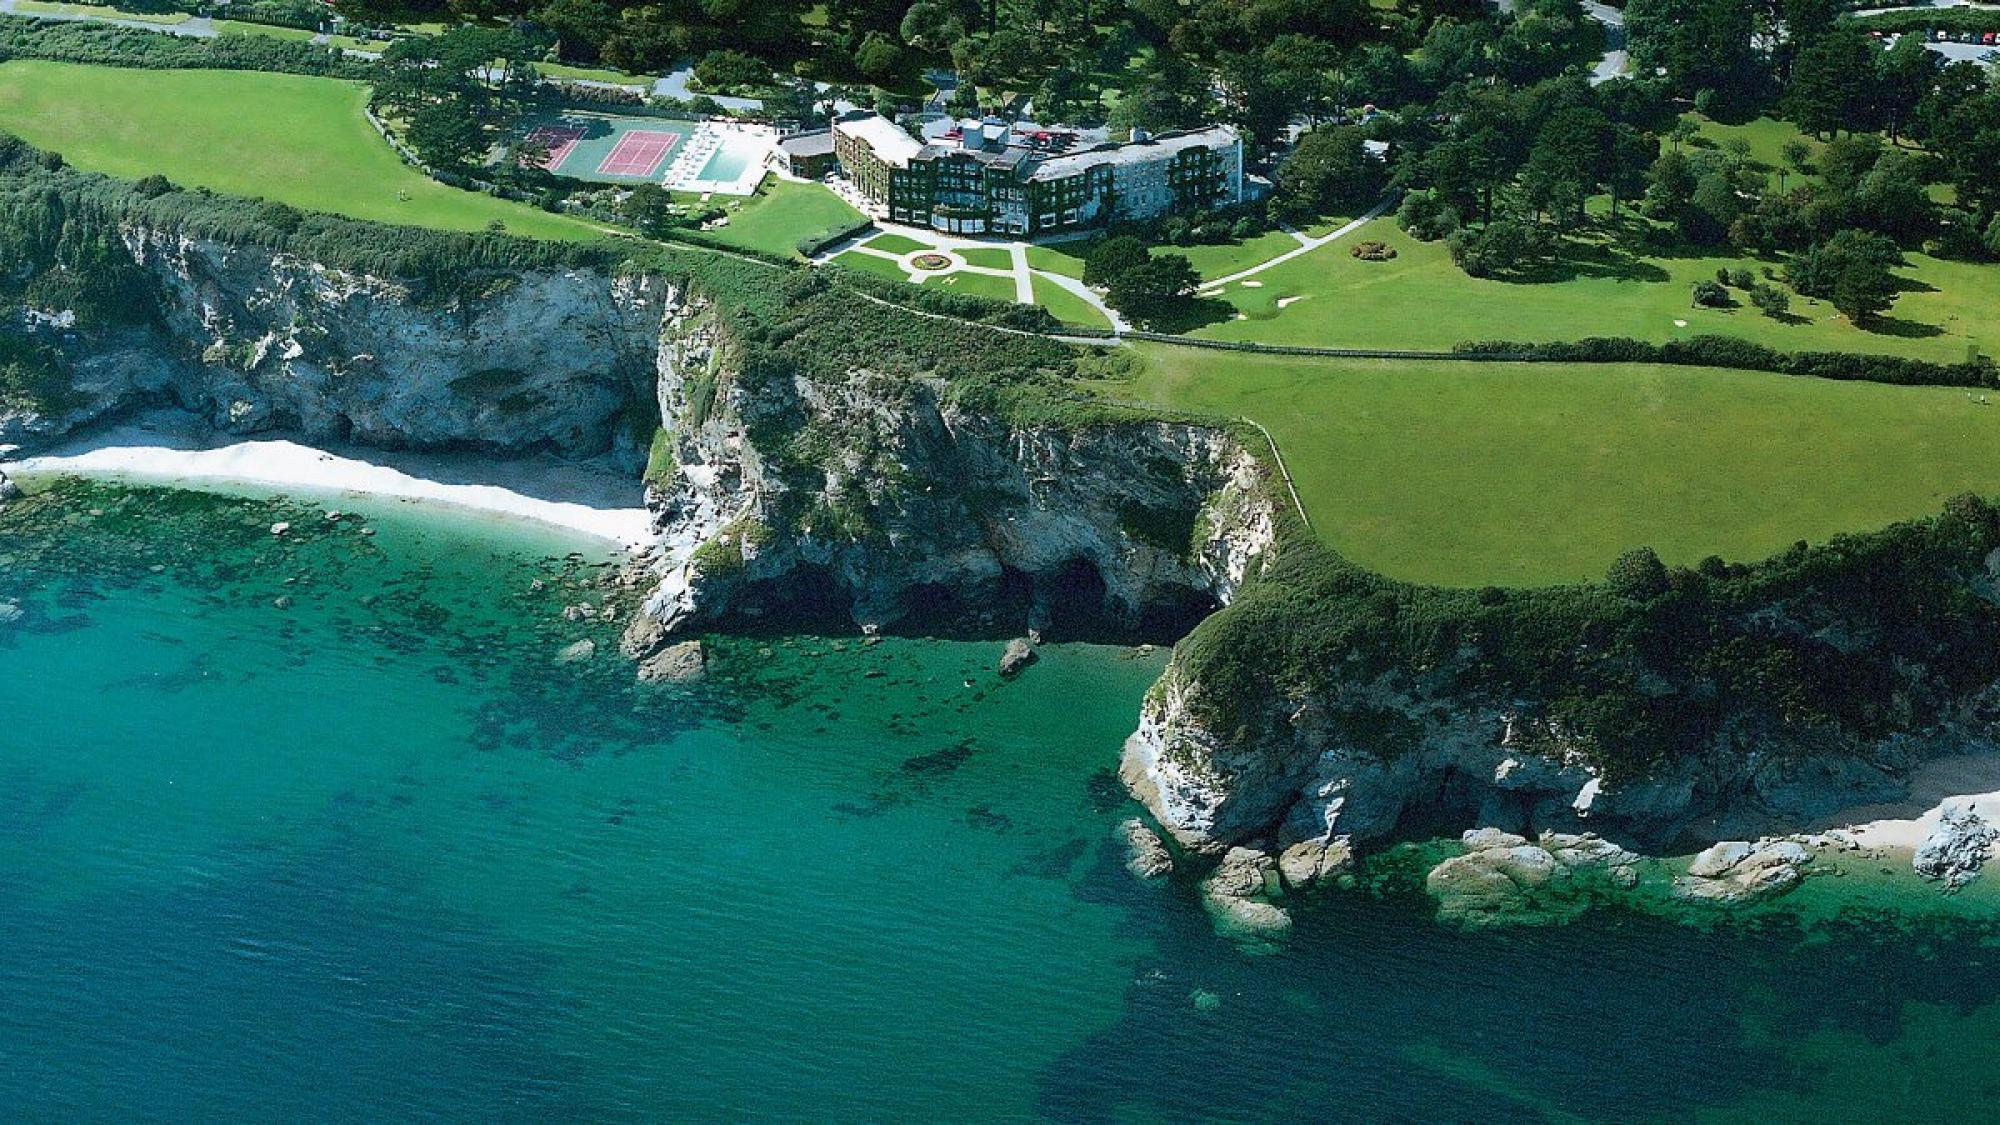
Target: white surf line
[(1306, 247), (289, 465)]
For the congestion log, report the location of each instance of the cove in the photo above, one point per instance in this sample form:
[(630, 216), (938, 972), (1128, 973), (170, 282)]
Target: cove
[(316, 824)]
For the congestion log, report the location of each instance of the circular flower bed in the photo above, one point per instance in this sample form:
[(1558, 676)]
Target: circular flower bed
[(931, 262), (1372, 251)]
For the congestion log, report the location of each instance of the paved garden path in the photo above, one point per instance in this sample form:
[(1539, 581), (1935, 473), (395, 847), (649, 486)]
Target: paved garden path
[(1020, 272), (1306, 246)]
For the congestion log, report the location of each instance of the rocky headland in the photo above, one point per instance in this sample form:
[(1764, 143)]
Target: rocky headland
[(810, 458)]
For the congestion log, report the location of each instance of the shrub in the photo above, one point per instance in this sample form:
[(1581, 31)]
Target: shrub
[(1502, 248), (1711, 295), (1426, 217), (1773, 301), (1638, 574), (1372, 251)]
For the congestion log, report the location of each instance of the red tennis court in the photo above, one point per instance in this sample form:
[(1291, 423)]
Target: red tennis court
[(560, 140), (638, 153)]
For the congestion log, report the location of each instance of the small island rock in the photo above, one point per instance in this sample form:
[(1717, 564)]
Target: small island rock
[(1235, 892), (1737, 871), (1019, 655), (679, 663), (1148, 856)]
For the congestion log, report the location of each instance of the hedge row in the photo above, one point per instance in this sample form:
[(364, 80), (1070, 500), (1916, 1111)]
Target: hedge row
[(1727, 351), (1932, 19), (110, 45), (813, 244)]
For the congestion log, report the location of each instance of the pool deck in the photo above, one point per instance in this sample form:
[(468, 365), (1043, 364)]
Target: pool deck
[(751, 144)]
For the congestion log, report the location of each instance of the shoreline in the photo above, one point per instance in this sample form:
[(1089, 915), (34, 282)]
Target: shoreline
[(579, 499), (1957, 781)]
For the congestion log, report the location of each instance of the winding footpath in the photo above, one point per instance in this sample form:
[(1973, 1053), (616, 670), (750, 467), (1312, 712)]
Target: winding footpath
[(1306, 246)]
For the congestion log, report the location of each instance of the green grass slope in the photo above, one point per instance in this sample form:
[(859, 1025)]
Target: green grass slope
[(1421, 300), (1524, 474), (295, 139)]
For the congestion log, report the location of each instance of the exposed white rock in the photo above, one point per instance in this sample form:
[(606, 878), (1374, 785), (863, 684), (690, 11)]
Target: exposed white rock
[(1311, 863), (1738, 871), (1017, 656), (1956, 850), (1148, 857), (1238, 891), (256, 340), (677, 663)]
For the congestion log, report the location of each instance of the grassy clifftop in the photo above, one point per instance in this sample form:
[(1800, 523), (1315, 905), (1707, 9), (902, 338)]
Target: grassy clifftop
[(1470, 474)]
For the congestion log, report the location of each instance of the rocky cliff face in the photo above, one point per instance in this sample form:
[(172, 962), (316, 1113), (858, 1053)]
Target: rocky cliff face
[(255, 340), (1403, 754), (880, 501)]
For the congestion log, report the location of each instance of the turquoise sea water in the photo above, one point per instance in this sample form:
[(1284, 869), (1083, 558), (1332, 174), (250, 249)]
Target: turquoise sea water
[(374, 854)]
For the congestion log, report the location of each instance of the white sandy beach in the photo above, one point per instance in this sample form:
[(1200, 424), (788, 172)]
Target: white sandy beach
[(576, 498), (1960, 781)]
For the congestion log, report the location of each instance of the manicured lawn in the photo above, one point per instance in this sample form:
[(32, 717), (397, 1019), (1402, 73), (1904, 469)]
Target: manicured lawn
[(870, 263), (892, 243), (267, 30), (977, 284), (781, 214), (1067, 307), (1766, 136), (1230, 257), (1468, 474), (1422, 300), (592, 74), (290, 138), (987, 257), (1219, 260), (1065, 258)]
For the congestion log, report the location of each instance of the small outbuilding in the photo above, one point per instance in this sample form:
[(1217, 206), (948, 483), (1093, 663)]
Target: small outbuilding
[(808, 156)]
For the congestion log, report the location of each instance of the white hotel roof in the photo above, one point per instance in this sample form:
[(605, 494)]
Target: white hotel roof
[(887, 138)]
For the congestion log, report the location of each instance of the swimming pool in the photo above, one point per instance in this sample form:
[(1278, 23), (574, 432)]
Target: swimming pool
[(729, 162)]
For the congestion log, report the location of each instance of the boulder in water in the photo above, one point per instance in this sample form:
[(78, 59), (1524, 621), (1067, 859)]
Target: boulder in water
[(643, 637), (1309, 863), (577, 653), (1235, 892), (679, 663), (1019, 654), (1737, 871), (1148, 856), (1500, 876)]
